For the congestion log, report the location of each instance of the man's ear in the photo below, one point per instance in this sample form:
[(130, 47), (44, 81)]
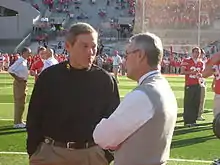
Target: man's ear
[(68, 45), (142, 56)]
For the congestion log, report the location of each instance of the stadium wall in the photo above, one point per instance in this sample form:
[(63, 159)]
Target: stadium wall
[(138, 23), (16, 27)]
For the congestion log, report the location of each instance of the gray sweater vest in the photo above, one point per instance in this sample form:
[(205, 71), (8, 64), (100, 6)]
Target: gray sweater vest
[(150, 145)]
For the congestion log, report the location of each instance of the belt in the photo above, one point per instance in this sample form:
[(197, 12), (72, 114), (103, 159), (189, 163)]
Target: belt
[(69, 145)]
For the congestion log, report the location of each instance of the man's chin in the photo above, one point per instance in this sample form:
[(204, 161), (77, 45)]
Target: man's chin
[(88, 66)]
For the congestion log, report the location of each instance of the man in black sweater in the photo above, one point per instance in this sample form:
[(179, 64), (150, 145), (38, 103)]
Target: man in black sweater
[(68, 101)]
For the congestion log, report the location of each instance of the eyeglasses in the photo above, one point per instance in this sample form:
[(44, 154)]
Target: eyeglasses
[(130, 52)]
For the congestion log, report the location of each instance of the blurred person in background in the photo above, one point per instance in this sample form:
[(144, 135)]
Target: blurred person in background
[(203, 91), (116, 64), (213, 68), (37, 64), (1, 62), (49, 59), (19, 71), (192, 67)]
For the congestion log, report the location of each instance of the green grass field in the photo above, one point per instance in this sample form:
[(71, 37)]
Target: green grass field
[(196, 143)]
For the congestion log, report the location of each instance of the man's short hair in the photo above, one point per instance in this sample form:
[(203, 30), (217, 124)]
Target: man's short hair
[(24, 50), (195, 48), (77, 29), (40, 48), (151, 45)]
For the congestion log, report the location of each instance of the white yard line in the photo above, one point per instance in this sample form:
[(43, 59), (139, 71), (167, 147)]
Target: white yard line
[(8, 103), (190, 160), (177, 160), (13, 153), (6, 119)]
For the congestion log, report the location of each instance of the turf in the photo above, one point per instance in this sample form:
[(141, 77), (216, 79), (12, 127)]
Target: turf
[(196, 143)]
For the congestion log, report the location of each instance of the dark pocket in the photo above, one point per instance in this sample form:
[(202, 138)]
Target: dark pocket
[(109, 156)]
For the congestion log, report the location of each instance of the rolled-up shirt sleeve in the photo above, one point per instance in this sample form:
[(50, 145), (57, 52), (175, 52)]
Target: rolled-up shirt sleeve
[(132, 113)]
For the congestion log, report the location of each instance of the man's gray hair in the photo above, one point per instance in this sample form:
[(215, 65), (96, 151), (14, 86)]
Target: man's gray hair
[(77, 29), (151, 45)]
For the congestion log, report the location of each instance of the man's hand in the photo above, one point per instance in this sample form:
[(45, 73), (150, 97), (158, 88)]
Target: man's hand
[(32, 73)]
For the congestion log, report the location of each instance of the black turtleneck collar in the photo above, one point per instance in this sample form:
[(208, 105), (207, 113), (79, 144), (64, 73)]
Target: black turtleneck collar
[(69, 67)]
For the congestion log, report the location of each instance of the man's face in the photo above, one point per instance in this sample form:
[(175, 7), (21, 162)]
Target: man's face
[(83, 50), (196, 53), (27, 53), (43, 54), (131, 60)]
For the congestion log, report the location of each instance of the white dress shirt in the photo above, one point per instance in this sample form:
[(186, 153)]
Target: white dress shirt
[(2, 58), (132, 113), (19, 68), (116, 60), (49, 62)]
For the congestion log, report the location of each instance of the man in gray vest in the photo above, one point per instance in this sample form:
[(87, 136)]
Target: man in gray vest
[(141, 128)]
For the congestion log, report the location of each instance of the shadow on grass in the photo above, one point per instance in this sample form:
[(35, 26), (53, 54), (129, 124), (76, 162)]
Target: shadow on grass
[(7, 130), (201, 124), (16, 131), (190, 130), (180, 115), (191, 141), (179, 121)]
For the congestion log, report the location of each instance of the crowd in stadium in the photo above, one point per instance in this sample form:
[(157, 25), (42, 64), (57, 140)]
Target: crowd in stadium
[(181, 14), (74, 11), (178, 13)]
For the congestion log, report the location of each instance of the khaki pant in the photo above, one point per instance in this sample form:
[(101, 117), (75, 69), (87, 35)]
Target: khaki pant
[(50, 155), (172, 69), (1, 66), (19, 91), (216, 108), (115, 71), (202, 101)]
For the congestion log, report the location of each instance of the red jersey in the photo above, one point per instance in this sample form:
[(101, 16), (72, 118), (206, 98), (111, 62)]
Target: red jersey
[(178, 63), (216, 69), (172, 63), (37, 66), (190, 65)]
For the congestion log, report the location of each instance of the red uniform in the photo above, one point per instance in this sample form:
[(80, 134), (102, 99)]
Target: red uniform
[(190, 65), (37, 66), (178, 64), (216, 69)]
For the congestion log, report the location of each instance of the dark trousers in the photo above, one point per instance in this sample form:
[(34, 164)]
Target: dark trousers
[(192, 95)]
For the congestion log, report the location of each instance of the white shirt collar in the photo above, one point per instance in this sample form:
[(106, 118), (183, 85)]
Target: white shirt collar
[(149, 74), (50, 58), (22, 58)]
